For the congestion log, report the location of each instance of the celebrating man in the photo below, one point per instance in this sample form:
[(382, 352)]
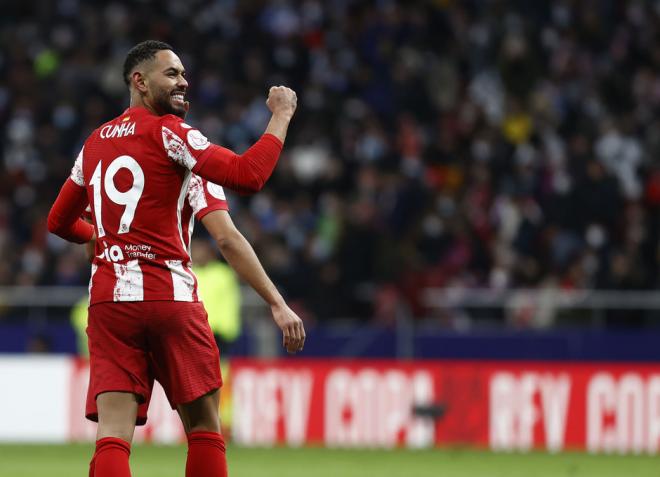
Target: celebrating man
[(145, 319)]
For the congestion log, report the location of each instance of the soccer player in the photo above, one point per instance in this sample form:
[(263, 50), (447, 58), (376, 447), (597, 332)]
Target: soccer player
[(145, 319)]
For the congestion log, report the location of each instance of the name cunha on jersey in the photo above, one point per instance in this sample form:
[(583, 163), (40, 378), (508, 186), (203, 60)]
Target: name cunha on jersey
[(118, 130), (116, 254)]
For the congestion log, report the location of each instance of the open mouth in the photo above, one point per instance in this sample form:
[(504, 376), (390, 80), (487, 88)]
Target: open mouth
[(178, 97)]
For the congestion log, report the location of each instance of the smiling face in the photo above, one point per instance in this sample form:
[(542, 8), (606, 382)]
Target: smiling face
[(162, 84)]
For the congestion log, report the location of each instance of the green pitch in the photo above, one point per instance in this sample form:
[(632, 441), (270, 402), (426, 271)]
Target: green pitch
[(168, 461)]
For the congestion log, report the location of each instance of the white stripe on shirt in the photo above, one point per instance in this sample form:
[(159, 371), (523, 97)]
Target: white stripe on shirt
[(179, 207), (129, 285), (183, 282), (89, 288)]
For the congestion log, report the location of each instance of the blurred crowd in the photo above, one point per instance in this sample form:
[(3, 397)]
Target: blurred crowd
[(473, 143)]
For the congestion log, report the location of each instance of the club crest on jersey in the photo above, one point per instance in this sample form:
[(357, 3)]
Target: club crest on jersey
[(118, 130), (197, 140), (112, 254)]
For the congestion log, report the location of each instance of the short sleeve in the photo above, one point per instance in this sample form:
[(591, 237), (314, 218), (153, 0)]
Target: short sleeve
[(77, 170), (205, 197), (184, 144)]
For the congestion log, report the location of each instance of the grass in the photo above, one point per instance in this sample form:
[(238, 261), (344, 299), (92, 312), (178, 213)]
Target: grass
[(166, 461)]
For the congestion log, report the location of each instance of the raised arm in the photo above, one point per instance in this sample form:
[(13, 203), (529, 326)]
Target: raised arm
[(247, 172), (240, 255)]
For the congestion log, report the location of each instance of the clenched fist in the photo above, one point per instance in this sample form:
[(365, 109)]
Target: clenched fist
[(282, 100)]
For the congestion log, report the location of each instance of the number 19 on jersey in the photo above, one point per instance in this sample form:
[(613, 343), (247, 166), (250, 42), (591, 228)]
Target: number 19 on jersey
[(129, 199)]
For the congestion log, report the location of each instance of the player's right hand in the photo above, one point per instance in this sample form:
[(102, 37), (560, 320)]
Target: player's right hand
[(293, 331), (282, 100)]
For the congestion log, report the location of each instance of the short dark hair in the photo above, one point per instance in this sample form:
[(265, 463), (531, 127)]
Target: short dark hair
[(142, 52)]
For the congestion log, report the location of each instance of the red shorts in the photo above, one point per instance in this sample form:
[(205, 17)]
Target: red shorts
[(133, 343)]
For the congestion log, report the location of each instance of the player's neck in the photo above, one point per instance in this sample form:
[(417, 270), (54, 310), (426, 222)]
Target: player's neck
[(137, 101)]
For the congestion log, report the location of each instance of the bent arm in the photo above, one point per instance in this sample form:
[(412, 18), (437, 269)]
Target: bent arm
[(64, 216), (246, 173)]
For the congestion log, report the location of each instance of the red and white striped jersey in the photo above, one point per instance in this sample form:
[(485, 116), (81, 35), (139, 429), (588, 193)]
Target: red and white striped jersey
[(137, 171)]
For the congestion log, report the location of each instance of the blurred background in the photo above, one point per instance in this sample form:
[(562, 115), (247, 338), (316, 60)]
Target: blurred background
[(473, 180)]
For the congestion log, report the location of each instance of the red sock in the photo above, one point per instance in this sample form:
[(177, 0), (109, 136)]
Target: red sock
[(206, 455), (111, 458)]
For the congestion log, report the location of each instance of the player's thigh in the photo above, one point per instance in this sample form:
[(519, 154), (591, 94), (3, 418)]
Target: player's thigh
[(201, 414), (117, 412)]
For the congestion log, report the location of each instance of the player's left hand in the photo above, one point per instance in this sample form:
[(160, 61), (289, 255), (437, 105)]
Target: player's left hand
[(293, 331)]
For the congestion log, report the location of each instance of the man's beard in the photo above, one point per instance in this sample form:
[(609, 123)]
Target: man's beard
[(165, 106)]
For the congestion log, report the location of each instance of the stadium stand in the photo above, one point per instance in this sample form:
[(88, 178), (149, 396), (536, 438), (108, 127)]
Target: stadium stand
[(463, 144)]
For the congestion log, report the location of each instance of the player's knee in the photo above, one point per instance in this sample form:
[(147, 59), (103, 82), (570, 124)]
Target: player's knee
[(211, 426), (113, 430), (118, 426), (206, 421)]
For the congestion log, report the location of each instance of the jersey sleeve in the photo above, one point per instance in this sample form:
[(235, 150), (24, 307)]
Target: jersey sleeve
[(64, 216), (204, 197), (245, 173)]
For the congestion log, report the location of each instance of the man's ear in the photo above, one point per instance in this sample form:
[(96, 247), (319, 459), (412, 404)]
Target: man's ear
[(138, 80)]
